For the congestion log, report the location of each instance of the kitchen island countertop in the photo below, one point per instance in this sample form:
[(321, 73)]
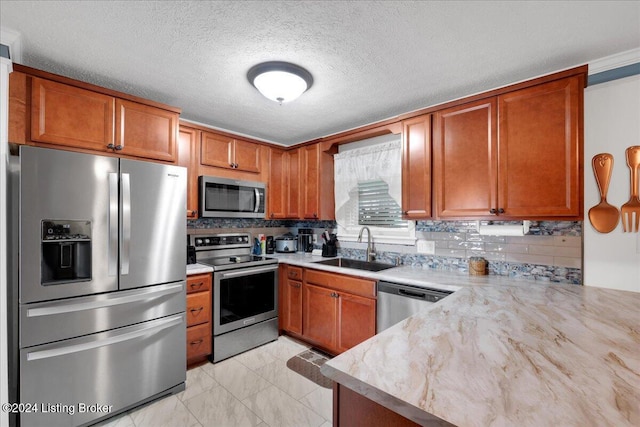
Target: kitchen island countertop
[(507, 355)]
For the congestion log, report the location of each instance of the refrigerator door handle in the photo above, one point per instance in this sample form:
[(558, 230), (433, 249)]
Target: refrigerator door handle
[(113, 225), (255, 209), (126, 223), (120, 298), (145, 330)]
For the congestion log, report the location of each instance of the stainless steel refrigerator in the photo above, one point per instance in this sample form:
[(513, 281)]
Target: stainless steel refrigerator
[(97, 284)]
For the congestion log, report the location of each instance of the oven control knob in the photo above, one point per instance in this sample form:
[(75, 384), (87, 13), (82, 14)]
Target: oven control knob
[(206, 241), (198, 242), (245, 239)]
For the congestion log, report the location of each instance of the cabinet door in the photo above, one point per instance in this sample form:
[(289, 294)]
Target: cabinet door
[(216, 150), (70, 116), (187, 152), (311, 188), (247, 156), (293, 306), (294, 185), (145, 131), (416, 167), (465, 160), (356, 320), (540, 148), (320, 315), (277, 184)]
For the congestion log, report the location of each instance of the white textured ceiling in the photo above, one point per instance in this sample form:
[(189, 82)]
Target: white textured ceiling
[(369, 60)]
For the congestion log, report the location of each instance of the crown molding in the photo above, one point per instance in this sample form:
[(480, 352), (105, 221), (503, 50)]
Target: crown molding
[(13, 39), (612, 62)]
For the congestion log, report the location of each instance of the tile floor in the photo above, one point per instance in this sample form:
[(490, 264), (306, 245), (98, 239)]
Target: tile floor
[(252, 389)]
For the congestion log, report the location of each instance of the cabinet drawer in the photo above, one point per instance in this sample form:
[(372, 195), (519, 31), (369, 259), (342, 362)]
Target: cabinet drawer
[(198, 308), (198, 283), (198, 341), (294, 273), (352, 285)]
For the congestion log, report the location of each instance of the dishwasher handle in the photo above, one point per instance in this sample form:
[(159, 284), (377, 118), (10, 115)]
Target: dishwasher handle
[(424, 294)]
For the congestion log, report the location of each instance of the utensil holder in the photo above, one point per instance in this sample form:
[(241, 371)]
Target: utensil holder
[(329, 250), (477, 266)]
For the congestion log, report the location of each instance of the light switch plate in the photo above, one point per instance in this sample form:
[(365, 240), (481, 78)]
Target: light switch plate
[(427, 247)]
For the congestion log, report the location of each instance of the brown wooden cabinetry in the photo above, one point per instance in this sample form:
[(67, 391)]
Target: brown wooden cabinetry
[(540, 147), (284, 184), (198, 317), (145, 131), (291, 300), (226, 152), (516, 155), (188, 140), (71, 116), (416, 167), (339, 311), (316, 171), (465, 160), (59, 112)]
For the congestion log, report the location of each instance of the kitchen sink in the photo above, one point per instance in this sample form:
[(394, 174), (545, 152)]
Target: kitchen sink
[(356, 264)]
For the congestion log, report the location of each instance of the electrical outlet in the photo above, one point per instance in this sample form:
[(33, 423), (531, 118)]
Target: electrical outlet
[(315, 238), (426, 247)]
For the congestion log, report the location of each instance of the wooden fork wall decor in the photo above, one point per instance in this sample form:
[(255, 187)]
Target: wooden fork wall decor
[(630, 211)]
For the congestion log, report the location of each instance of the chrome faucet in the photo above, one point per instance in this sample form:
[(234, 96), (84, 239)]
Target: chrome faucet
[(371, 254)]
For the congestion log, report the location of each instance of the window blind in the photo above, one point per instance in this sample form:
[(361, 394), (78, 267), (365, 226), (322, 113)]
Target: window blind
[(377, 207)]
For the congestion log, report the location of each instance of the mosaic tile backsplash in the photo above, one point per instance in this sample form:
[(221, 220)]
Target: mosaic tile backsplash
[(550, 252)]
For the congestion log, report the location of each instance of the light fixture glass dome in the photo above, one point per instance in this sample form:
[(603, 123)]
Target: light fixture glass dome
[(280, 81)]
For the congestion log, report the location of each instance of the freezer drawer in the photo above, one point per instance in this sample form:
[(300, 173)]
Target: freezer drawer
[(73, 317), (112, 369)]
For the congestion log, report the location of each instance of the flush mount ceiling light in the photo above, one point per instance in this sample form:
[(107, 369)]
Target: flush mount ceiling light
[(280, 81)]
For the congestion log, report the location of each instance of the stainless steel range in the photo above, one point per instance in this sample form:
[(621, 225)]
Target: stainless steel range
[(245, 293)]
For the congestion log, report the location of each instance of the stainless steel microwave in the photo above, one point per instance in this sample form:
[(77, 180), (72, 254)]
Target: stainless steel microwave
[(231, 198)]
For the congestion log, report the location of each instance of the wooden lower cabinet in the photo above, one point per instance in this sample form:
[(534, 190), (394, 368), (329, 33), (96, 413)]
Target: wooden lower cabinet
[(353, 409), (338, 311), (198, 318), (291, 300)]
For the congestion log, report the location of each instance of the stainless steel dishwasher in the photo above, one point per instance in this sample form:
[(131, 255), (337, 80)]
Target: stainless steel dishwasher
[(397, 302)]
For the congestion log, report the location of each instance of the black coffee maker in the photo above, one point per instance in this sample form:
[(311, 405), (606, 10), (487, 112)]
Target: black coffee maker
[(305, 240)]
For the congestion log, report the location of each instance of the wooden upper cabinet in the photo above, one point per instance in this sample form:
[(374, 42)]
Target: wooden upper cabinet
[(216, 150), (540, 148), (277, 191), (70, 116), (226, 152), (416, 167), (464, 160), (284, 184), (246, 156), (311, 188), (146, 131), (512, 156), (187, 156), (295, 182), (316, 183)]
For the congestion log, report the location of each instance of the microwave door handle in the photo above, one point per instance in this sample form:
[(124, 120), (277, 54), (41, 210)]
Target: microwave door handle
[(126, 223), (112, 219), (257, 207)]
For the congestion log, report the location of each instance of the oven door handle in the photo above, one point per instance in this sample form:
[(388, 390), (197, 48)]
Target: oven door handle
[(248, 272)]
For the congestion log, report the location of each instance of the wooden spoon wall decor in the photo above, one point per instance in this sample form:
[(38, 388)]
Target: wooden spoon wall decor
[(604, 217)]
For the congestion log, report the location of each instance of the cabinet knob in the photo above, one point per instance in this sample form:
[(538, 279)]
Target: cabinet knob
[(493, 211), (119, 147), (196, 342), (500, 211), (111, 146), (315, 215), (271, 215)]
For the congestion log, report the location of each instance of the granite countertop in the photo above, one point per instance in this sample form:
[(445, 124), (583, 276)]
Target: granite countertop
[(198, 269), (507, 355)]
